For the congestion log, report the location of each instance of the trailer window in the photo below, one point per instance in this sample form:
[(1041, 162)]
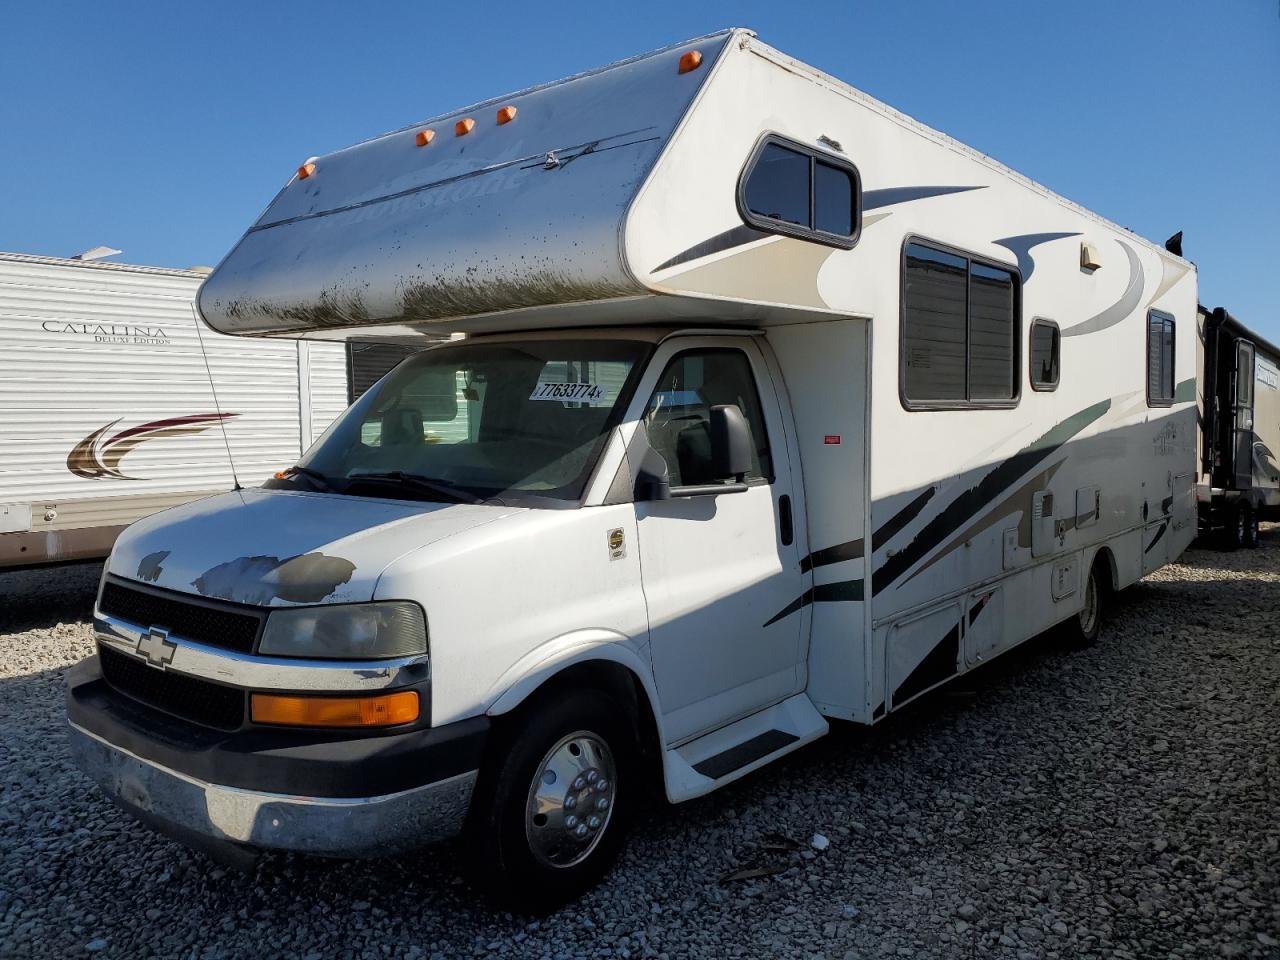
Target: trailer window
[(792, 189), (1045, 346), (1160, 373), (959, 330)]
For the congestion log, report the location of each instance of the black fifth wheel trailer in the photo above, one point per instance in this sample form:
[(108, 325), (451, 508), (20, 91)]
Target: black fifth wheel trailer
[(1240, 431)]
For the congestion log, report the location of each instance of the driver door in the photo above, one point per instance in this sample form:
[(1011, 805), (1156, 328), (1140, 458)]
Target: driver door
[(721, 572)]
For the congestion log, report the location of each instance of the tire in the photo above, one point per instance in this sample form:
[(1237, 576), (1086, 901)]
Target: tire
[(1236, 530), (528, 855), (1082, 630), (1250, 528)]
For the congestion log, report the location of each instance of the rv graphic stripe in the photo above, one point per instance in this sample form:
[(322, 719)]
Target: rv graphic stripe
[(850, 550), (977, 497), (841, 591), (890, 528)]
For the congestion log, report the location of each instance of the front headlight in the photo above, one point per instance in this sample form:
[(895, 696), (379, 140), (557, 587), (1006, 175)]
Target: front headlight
[(357, 631)]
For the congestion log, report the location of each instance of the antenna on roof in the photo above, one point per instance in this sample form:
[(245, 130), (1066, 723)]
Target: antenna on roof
[(1174, 244), (97, 253)]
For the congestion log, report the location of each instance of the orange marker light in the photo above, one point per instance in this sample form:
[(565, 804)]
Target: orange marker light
[(306, 170), (463, 127), (691, 61), (424, 137), (507, 114), (381, 711)]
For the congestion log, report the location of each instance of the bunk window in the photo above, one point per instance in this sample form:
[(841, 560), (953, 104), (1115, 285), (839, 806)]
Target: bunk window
[(791, 189), (959, 330), (1160, 333), (1046, 343)]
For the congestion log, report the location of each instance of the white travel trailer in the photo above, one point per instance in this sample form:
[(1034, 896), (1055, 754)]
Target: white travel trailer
[(775, 407), (107, 412)]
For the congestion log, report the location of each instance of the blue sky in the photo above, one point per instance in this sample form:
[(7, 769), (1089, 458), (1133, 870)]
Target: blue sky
[(163, 129)]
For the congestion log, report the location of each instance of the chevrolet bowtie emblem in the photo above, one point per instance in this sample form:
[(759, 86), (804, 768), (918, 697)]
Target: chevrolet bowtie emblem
[(156, 647)]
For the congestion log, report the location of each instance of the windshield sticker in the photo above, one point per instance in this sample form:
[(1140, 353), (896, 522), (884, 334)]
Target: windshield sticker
[(574, 392)]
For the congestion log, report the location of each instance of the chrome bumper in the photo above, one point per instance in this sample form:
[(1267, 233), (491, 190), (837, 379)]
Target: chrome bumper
[(324, 826)]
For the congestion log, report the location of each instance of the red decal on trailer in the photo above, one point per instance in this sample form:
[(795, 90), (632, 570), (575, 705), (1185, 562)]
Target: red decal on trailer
[(831, 438)]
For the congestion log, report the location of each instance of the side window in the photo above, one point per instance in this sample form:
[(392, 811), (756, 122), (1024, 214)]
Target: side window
[(1046, 343), (959, 330), (1160, 373), (790, 188), (679, 413)]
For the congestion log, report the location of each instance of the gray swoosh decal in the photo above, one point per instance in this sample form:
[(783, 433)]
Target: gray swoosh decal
[(1121, 308), (1020, 246), (721, 241), (873, 199)]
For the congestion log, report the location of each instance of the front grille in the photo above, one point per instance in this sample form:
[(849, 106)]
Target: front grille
[(214, 625), (202, 702)]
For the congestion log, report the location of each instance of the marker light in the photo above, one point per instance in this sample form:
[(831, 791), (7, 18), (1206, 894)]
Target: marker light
[(306, 170), (691, 61), (424, 137), (381, 711), (463, 127), (507, 114)]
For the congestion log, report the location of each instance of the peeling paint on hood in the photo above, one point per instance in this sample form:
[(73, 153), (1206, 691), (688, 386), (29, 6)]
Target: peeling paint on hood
[(281, 548)]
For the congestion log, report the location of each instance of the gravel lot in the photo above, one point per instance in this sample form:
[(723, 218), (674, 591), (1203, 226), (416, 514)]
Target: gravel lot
[(1120, 802)]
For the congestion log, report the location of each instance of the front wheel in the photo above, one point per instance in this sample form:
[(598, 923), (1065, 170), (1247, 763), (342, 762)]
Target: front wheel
[(550, 812), (1250, 527)]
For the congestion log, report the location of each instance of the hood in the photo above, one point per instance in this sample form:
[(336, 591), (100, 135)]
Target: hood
[(281, 548)]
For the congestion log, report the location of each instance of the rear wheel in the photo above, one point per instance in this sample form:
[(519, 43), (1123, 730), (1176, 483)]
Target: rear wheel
[(551, 807), (1250, 527), (1082, 630), (1235, 532)]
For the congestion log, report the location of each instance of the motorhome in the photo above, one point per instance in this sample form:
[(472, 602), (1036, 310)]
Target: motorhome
[(1239, 483), (115, 402), (774, 408)]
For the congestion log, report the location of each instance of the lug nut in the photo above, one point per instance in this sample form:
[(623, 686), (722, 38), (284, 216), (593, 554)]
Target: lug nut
[(601, 785), (571, 821), (594, 823), (602, 803), (570, 802), (592, 776), (579, 783), (581, 830)]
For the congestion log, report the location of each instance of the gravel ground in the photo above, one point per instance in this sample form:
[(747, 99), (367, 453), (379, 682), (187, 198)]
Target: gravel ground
[(1119, 802)]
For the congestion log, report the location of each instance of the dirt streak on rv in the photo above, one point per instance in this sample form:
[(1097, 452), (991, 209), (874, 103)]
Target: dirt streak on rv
[(775, 408)]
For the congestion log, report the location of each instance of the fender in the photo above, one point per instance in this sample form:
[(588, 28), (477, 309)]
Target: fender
[(578, 646)]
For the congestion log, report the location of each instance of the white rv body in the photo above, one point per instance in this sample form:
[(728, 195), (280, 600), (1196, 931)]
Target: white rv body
[(107, 413), (895, 543)]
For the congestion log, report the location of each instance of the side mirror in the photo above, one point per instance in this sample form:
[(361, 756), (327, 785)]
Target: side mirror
[(730, 443), (653, 477)]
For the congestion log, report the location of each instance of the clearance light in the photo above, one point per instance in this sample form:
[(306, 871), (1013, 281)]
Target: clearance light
[(424, 137), (382, 711), (691, 61), (507, 114), (463, 127), (306, 170)]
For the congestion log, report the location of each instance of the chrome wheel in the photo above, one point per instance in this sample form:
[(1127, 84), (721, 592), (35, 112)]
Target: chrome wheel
[(1089, 613), (571, 800)]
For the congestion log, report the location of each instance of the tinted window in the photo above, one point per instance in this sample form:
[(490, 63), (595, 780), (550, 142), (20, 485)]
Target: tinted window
[(778, 187), (678, 416), (959, 328), (832, 200), (793, 190), (933, 326), (1160, 373), (1045, 344)]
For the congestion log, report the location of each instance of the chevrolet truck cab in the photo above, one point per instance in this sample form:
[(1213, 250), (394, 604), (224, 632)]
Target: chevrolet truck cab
[(765, 406)]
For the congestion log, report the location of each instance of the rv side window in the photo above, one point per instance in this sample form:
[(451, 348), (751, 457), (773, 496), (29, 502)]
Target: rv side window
[(1160, 374), (1045, 345), (678, 416), (789, 188), (959, 330)]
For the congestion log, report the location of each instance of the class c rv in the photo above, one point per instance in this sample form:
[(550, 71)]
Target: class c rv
[(773, 407), (1239, 473), (116, 403)]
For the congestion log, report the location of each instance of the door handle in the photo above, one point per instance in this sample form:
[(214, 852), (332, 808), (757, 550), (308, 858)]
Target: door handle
[(785, 526)]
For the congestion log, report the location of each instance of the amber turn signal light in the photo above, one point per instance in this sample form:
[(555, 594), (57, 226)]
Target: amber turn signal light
[(463, 127), (424, 137), (306, 170), (507, 114), (381, 711), (690, 61)]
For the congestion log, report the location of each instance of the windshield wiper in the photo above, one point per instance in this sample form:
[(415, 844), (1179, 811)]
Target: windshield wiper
[(441, 488), (314, 475)]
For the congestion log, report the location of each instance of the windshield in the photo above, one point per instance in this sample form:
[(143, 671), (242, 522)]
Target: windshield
[(472, 421)]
